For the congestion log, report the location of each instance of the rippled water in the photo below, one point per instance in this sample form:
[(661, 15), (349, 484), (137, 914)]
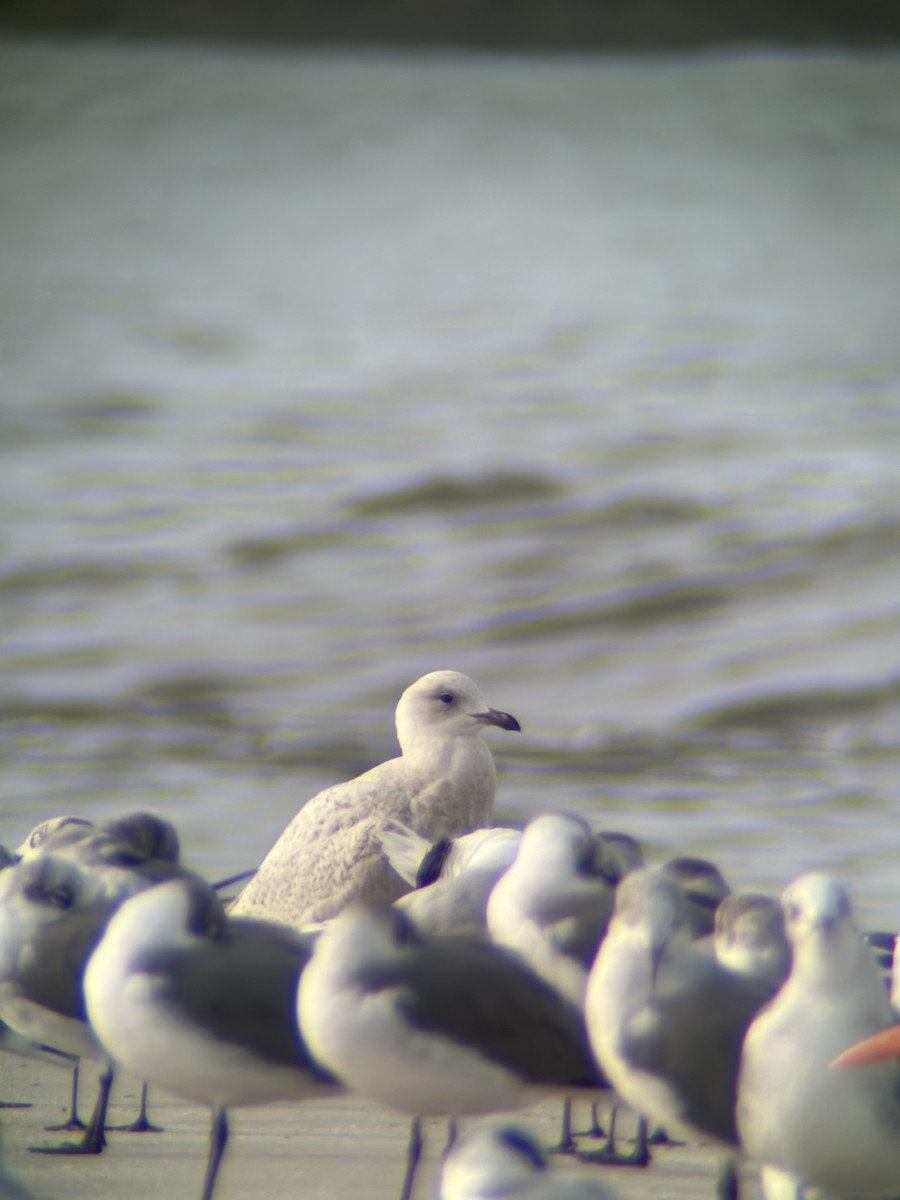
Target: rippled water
[(582, 376)]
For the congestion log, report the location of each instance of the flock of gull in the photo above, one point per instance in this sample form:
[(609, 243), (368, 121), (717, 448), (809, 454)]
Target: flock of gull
[(394, 944)]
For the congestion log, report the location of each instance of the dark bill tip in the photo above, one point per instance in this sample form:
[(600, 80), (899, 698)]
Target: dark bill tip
[(502, 720)]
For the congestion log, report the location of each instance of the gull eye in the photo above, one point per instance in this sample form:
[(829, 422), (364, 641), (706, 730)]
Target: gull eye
[(446, 697)]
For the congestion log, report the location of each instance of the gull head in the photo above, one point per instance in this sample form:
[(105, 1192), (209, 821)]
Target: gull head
[(58, 830), (815, 904), (150, 835), (703, 887), (750, 937), (446, 704), (36, 892), (650, 911), (492, 1159), (179, 912), (558, 842), (819, 924), (363, 937), (615, 856), (44, 883)]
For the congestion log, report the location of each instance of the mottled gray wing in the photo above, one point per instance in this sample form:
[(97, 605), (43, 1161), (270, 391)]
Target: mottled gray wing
[(691, 1034), (486, 998)]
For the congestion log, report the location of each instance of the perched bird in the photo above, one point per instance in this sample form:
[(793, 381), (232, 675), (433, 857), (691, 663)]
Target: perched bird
[(750, 937), (119, 859), (449, 1026), (494, 1160), (553, 904), (50, 921), (807, 1125), (441, 785), (452, 878), (666, 1022), (116, 860), (203, 1005)]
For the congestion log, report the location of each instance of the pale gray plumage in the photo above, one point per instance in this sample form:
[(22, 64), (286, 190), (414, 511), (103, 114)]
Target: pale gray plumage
[(441, 785)]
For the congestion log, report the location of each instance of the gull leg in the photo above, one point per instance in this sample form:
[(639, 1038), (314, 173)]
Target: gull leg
[(639, 1156), (413, 1154), (141, 1123), (451, 1135), (727, 1185), (566, 1143), (74, 1122), (218, 1139), (94, 1137), (596, 1130)]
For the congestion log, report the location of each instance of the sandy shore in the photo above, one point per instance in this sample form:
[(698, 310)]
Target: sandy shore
[(316, 1151)]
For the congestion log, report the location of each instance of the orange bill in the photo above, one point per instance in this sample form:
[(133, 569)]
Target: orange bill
[(872, 1049)]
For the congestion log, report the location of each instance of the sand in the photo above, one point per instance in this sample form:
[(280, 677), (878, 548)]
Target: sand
[(342, 1147)]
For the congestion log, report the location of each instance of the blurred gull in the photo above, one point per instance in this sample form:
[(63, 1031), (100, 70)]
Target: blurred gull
[(442, 785), (452, 878), (116, 860), (750, 937), (704, 888), (50, 921), (494, 1160), (553, 905), (203, 1005), (808, 1125), (667, 1021), (443, 1027)]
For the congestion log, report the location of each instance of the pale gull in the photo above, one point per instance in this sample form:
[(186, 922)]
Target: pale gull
[(203, 1005), (496, 1159), (808, 1125), (441, 785), (447, 1026)]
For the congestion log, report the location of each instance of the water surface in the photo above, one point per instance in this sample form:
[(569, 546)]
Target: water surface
[(582, 376)]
